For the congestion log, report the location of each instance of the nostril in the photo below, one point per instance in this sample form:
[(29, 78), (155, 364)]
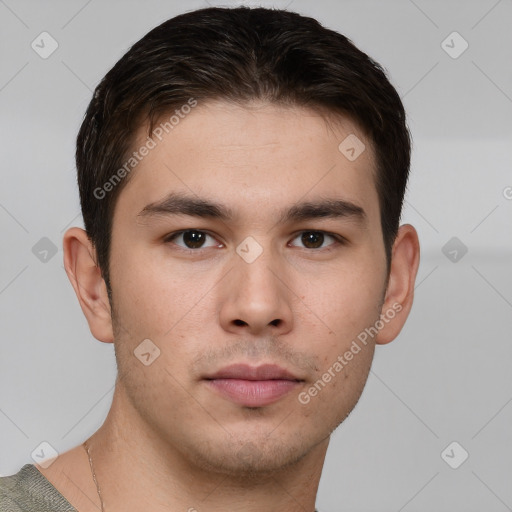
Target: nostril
[(239, 322)]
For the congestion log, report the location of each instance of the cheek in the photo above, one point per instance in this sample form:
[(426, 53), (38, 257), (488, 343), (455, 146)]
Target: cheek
[(350, 305), (152, 297), (344, 301)]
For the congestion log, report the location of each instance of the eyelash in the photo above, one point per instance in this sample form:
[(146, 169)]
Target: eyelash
[(339, 240)]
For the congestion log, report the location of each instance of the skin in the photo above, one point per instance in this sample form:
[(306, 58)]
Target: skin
[(296, 305)]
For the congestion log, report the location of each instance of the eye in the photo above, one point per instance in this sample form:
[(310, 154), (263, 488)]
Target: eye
[(191, 239), (315, 239)]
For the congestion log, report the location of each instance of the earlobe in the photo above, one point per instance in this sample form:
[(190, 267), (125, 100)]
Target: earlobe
[(400, 290), (88, 283)]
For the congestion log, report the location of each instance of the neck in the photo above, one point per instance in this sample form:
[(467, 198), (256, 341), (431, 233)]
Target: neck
[(136, 469)]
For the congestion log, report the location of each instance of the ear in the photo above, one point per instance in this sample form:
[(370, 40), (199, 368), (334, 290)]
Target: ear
[(400, 290), (88, 283)]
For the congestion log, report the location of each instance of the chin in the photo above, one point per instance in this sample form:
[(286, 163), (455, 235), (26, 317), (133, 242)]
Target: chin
[(251, 457)]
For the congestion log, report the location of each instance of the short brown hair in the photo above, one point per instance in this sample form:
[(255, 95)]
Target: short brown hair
[(237, 54)]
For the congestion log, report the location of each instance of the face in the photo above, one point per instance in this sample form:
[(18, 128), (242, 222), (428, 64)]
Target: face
[(247, 247)]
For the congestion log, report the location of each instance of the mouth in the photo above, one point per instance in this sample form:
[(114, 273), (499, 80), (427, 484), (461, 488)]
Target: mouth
[(251, 386)]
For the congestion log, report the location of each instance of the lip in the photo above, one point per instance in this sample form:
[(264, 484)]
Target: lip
[(253, 386)]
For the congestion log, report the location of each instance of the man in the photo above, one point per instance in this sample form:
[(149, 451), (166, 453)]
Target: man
[(241, 176)]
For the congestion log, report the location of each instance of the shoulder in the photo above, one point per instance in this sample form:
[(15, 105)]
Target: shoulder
[(11, 491), (29, 491)]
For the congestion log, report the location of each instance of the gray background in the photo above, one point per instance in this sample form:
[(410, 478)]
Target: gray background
[(446, 378)]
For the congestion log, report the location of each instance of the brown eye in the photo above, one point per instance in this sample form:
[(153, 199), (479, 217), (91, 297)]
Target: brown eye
[(316, 239), (191, 239), (312, 239), (194, 239)]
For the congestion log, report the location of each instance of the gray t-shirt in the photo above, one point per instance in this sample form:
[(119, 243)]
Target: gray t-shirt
[(30, 491)]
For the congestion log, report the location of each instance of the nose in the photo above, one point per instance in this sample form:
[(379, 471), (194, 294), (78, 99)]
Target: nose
[(256, 298)]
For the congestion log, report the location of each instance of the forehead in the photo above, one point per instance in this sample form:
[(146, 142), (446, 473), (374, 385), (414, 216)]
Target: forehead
[(255, 157)]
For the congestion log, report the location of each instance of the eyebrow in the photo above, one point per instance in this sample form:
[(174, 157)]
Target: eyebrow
[(179, 204)]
